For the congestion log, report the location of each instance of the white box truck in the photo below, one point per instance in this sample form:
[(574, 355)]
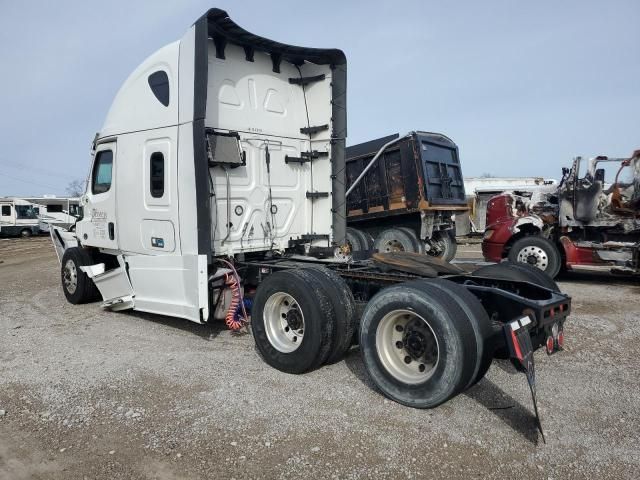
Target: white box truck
[(219, 176)]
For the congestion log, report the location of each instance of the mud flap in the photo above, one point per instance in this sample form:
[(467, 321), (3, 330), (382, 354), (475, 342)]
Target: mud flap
[(521, 352)]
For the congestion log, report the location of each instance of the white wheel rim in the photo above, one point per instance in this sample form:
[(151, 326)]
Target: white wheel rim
[(534, 256), (392, 245), (70, 276), (284, 322), (407, 346)]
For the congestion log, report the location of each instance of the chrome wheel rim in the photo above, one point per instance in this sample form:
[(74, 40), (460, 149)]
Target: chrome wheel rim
[(407, 346), (284, 322), (70, 276), (534, 256)]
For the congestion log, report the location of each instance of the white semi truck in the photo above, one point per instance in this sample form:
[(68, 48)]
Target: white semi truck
[(219, 177)]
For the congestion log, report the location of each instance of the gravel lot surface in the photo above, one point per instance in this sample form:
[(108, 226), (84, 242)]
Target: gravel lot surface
[(87, 393)]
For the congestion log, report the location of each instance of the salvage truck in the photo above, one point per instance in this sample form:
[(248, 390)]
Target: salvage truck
[(589, 221), (217, 192), (406, 200)]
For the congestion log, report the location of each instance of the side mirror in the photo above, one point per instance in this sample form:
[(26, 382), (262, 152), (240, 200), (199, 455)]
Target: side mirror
[(599, 176)]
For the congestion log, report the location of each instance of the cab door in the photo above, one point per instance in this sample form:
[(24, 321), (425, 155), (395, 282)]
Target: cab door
[(99, 228)]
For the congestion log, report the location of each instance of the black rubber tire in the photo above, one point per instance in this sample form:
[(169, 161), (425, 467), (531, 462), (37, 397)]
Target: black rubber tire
[(355, 239), (86, 290), (367, 239), (456, 365), (403, 241), (417, 244), (319, 321), (448, 247), (519, 272), (26, 233), (554, 260), (477, 318), (344, 306)]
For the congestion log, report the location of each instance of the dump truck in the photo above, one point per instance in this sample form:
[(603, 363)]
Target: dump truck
[(589, 221), (407, 200), (217, 192)]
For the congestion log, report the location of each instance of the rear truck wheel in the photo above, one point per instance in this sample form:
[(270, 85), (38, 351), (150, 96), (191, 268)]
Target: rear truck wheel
[(77, 286), (344, 306), (417, 244), (395, 240), (354, 240), (417, 344), (293, 321), (519, 272), (26, 233), (538, 252), (442, 244), (477, 318)]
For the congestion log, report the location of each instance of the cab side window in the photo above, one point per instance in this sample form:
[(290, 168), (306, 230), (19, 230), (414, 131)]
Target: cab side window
[(102, 172), (6, 210)]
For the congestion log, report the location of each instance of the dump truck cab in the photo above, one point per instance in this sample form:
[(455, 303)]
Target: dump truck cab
[(408, 200)]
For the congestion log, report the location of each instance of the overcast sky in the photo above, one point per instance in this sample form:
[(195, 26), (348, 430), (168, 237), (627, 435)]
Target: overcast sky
[(521, 87)]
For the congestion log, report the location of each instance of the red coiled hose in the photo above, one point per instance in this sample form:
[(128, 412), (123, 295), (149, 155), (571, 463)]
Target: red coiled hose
[(232, 322)]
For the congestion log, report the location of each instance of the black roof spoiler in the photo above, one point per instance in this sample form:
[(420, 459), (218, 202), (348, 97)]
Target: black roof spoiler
[(223, 30)]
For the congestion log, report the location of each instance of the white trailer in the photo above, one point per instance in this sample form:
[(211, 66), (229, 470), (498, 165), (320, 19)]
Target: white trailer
[(218, 177), (18, 218), (55, 211)]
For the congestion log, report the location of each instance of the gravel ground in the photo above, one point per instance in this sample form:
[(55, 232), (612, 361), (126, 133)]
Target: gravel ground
[(87, 393)]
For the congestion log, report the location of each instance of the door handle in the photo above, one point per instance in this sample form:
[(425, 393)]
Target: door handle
[(112, 231)]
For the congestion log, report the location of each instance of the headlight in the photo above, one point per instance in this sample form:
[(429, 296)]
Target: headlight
[(487, 234)]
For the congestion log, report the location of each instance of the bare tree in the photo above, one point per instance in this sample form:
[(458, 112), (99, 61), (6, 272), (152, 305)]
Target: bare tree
[(75, 188)]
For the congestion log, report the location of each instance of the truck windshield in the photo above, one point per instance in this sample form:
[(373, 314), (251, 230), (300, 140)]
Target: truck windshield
[(25, 212)]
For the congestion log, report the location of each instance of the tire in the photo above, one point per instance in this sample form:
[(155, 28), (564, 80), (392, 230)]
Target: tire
[(300, 296), (417, 244), (479, 321), (26, 233), (344, 306), (406, 326), (355, 240), (395, 240), (518, 272), (77, 286), (442, 245), (536, 251)]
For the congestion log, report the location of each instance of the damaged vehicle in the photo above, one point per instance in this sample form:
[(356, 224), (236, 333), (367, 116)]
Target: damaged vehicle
[(590, 221)]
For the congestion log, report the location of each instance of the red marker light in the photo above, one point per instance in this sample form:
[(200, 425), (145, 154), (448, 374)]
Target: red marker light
[(561, 339), (550, 345)]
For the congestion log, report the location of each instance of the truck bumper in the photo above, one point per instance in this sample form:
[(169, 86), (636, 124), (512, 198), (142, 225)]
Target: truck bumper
[(491, 251)]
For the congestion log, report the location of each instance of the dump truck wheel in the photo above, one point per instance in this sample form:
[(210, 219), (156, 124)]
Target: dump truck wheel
[(356, 240), (538, 252), (293, 321), (417, 244), (518, 272), (477, 317), (394, 240), (26, 233), (417, 344), (443, 245), (344, 306), (77, 286)]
